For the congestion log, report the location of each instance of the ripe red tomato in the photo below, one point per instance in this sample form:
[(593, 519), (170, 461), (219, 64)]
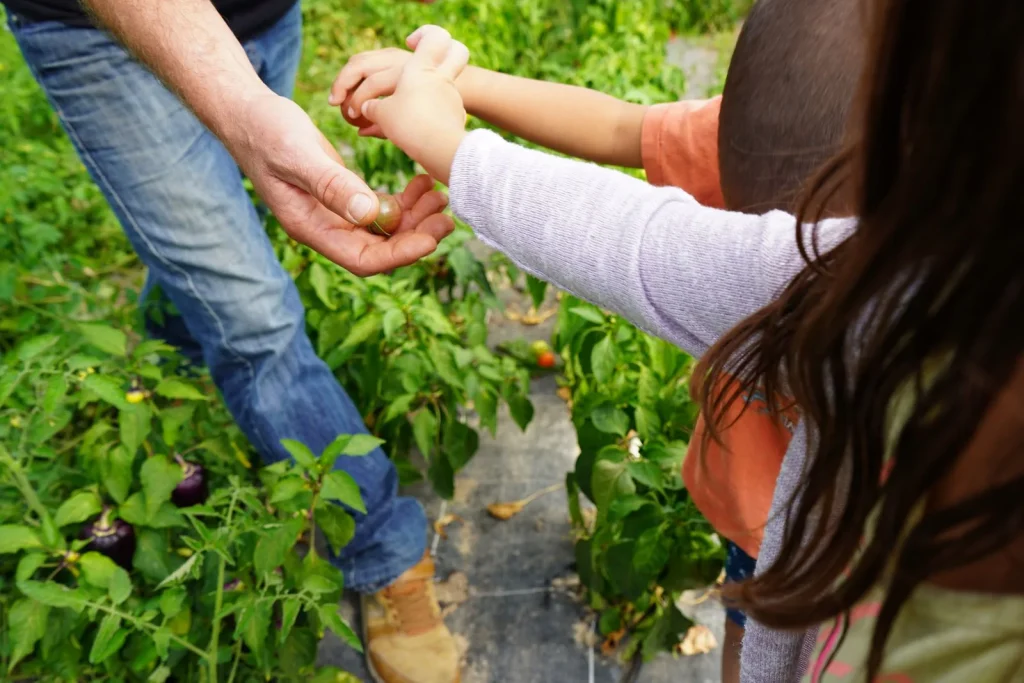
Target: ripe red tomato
[(546, 360)]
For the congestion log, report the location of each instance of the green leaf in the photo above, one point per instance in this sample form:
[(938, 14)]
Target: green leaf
[(52, 537), (287, 488), (30, 348), (332, 620), (133, 510), (135, 423), (647, 473), (26, 626), (572, 491), (52, 594), (361, 444), (537, 289), (159, 478), (340, 486), (442, 477), (173, 419), (624, 505), (289, 613), (300, 452), (611, 480), (670, 627), (78, 508), (425, 430), (151, 556), (105, 338), (120, 588), (159, 675), (521, 410), (394, 320), (97, 569), (116, 470), (364, 328), (174, 388), (588, 314), (433, 320), (648, 424), (611, 621), (254, 623), (621, 572), (444, 364), (172, 600), (181, 573), (318, 585), (56, 390), (107, 388), (399, 407), (320, 281), (652, 552), (8, 383), (28, 565), (603, 359), (486, 405), (610, 420), (460, 444), (647, 387), (109, 639), (274, 546), (336, 524), (14, 538)]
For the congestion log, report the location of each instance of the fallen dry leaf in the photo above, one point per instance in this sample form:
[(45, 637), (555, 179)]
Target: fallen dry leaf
[(506, 511), (611, 642), (699, 640), (441, 525), (531, 317), (565, 393), (452, 592), (583, 633)]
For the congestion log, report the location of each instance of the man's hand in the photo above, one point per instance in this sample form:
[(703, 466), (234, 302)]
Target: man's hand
[(425, 115), (293, 167), (318, 201)]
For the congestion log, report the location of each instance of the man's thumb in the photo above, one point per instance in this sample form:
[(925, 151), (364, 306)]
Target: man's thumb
[(342, 191)]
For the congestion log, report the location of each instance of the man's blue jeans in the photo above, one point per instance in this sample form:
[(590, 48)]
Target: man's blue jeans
[(180, 198)]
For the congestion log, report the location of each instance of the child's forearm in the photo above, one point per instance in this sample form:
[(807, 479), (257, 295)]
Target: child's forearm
[(568, 119)]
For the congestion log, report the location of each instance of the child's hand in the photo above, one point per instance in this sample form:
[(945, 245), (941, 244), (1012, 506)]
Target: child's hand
[(425, 116), (367, 76)]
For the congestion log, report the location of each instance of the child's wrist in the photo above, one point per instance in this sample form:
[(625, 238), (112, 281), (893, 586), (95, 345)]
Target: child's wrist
[(438, 155)]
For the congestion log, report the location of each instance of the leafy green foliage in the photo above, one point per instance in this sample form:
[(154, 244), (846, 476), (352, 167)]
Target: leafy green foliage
[(91, 414), (646, 542)]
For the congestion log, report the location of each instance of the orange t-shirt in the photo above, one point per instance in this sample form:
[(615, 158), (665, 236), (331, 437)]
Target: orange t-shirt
[(732, 483)]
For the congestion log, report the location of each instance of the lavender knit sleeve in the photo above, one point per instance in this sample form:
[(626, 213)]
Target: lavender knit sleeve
[(679, 270), (676, 269)]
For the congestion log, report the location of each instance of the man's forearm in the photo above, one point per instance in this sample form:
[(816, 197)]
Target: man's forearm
[(582, 123), (187, 44)]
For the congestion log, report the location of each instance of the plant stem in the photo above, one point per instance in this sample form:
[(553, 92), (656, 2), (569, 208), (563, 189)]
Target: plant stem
[(22, 482), (141, 625), (234, 664), (219, 601)]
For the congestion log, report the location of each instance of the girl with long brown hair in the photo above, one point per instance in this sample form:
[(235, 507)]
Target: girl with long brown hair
[(897, 336)]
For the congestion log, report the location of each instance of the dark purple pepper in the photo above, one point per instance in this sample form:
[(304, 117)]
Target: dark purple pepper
[(114, 539), (192, 490)]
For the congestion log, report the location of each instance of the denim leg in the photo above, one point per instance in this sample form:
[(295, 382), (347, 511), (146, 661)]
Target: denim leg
[(180, 198)]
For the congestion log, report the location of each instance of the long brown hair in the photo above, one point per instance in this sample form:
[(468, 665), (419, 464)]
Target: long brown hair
[(932, 277)]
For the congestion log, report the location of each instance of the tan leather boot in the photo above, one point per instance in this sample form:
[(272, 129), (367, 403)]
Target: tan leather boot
[(406, 639)]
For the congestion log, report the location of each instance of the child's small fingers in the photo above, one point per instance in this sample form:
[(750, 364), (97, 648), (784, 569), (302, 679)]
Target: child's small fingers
[(371, 131), (432, 46), (360, 67), (417, 187), (380, 84), (455, 61)]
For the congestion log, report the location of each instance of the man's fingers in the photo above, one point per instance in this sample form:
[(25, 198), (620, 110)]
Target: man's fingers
[(340, 190)]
